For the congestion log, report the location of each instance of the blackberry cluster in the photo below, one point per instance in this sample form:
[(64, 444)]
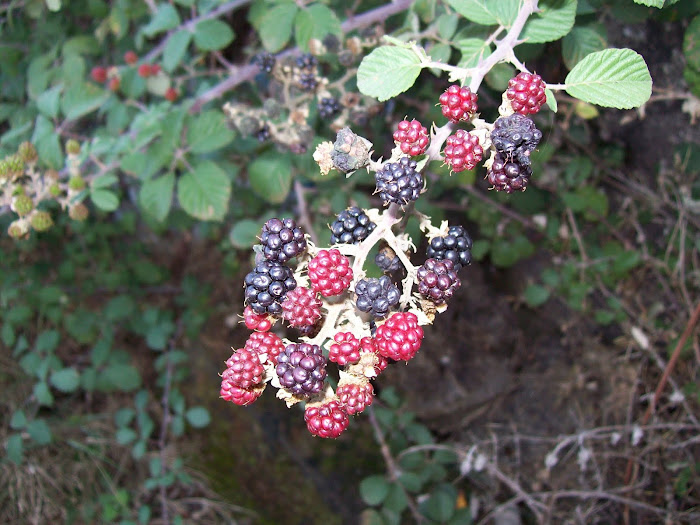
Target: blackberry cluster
[(301, 368), (437, 280), (308, 81), (399, 182), (328, 107), (455, 246), (263, 133), (515, 137), (282, 240), (266, 287), (508, 176), (387, 260), (377, 296), (306, 61), (265, 61), (351, 227)]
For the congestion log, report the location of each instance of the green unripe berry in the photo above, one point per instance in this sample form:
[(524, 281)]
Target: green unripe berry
[(15, 166), (41, 221), (76, 183), (28, 153), (22, 205), (54, 190), (72, 147), (18, 229), (51, 174), (78, 212)]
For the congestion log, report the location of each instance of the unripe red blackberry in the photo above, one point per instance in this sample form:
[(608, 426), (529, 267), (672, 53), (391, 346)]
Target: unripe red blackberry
[(327, 419), (351, 226), (368, 344), (345, 350), (144, 70), (266, 345), (437, 280), (245, 368), (330, 273), (99, 74), (455, 246), (114, 83), (515, 136), (257, 322), (458, 103), (130, 57), (411, 137), (354, 393), (301, 369), (508, 176), (399, 182), (171, 94), (282, 240), (301, 307), (377, 296), (463, 151), (400, 337), (526, 93), (266, 286), (235, 394)]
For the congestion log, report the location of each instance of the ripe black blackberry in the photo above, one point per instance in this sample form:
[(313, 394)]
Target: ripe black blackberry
[(308, 81), (301, 368), (331, 42), (387, 260), (306, 61), (399, 182), (282, 240), (455, 246), (263, 133), (377, 296), (508, 175), (516, 137), (437, 280), (266, 287), (328, 107), (351, 227), (265, 61)]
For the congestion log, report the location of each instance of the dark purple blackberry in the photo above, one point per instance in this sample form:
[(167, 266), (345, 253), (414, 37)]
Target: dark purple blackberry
[(437, 280), (377, 296), (455, 246), (282, 240), (516, 137), (266, 286), (399, 182), (508, 176), (387, 261), (265, 61), (301, 368), (263, 133), (328, 107), (308, 81), (351, 227), (331, 42), (306, 61)]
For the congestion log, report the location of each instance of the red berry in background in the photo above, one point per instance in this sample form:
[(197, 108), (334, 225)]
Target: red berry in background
[(399, 337), (155, 69), (245, 368), (301, 307), (458, 103), (171, 94), (130, 57), (266, 345), (367, 344), (144, 70), (257, 322), (411, 137), (114, 83), (330, 272), (99, 74), (345, 350), (326, 420), (526, 93), (235, 394), (463, 151), (355, 394)]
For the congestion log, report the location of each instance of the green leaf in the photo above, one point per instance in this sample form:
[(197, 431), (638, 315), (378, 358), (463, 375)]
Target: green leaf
[(396, 499), (65, 380), (48, 103), (104, 181), (208, 132), (535, 295), (244, 234), (81, 99), (198, 417), (166, 17), (617, 78), (651, 3), (582, 41), (212, 35), (39, 431), (156, 196), (125, 435), (175, 49), (15, 449), (440, 53), (551, 100), (374, 489), (204, 192), (43, 394), (440, 506), (388, 71), (487, 12), (691, 44), (18, 420), (276, 26), (316, 21), (473, 50), (46, 141), (554, 19), (47, 341), (105, 200), (270, 176), (121, 377), (447, 25)]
